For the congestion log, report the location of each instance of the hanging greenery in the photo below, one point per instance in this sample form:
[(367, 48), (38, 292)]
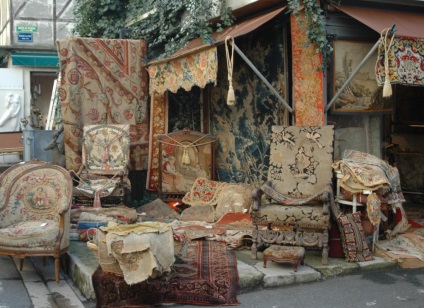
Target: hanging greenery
[(315, 24), (166, 25)]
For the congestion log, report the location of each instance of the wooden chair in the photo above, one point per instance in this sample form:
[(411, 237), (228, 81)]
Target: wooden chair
[(292, 207)]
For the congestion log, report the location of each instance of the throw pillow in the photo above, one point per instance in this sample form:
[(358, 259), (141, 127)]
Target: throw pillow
[(234, 198), (353, 239), (157, 210), (199, 213)]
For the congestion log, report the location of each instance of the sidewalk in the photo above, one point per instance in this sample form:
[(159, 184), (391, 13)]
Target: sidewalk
[(252, 274)]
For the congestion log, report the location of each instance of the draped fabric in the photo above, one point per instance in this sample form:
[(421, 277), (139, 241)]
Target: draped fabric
[(308, 88), (103, 81), (158, 126), (406, 62), (196, 69)]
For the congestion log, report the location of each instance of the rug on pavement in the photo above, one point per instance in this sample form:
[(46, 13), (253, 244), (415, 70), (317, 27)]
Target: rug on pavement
[(205, 275)]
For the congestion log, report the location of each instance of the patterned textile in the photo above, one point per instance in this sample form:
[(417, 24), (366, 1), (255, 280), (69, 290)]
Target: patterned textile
[(234, 198), (204, 192), (280, 215), (157, 210), (106, 148), (103, 81), (406, 58), (373, 209), (196, 69), (205, 275), (103, 186), (39, 234), (158, 126), (307, 78), (353, 239), (236, 220), (301, 157), (204, 212), (193, 232), (363, 171)]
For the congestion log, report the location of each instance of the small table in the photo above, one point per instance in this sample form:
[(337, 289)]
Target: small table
[(282, 254)]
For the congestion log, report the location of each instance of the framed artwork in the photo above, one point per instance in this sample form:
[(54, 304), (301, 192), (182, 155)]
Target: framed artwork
[(184, 156), (362, 94)]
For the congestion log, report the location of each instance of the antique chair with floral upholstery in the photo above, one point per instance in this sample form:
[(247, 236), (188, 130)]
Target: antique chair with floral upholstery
[(292, 207), (35, 198), (103, 174)]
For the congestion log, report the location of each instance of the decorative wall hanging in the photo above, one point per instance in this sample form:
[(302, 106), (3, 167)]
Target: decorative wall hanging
[(363, 93), (184, 156)]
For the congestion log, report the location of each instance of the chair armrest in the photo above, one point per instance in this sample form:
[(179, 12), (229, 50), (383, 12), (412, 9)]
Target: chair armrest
[(256, 198)]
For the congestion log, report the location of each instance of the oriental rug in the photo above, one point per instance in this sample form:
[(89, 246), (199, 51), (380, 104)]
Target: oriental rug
[(205, 275)]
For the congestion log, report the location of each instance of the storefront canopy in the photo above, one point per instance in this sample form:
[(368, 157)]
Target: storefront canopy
[(196, 63), (35, 59), (406, 23)]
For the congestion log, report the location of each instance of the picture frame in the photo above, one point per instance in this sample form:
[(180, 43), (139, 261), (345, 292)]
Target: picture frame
[(362, 95), (184, 156)]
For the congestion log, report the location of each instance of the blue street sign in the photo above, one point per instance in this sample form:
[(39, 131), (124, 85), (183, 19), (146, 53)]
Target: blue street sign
[(25, 37)]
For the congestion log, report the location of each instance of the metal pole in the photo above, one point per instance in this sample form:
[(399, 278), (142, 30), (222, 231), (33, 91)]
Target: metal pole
[(339, 92), (262, 78)]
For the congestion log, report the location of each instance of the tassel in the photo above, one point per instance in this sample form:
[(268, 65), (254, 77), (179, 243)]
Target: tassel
[(96, 203), (387, 88), (186, 157), (231, 97)]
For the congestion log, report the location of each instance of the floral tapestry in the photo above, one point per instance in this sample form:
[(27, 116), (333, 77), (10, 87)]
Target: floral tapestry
[(196, 69), (308, 84), (103, 81), (406, 58)]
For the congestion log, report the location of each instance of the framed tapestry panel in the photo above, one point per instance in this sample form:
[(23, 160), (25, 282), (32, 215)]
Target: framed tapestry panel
[(362, 94), (184, 156)]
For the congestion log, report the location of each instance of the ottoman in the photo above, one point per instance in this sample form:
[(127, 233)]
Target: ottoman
[(282, 254)]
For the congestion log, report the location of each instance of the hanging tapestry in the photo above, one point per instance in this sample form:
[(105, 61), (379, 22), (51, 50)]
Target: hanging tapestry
[(196, 69), (406, 58), (308, 84), (301, 157), (103, 81), (158, 125), (243, 130)]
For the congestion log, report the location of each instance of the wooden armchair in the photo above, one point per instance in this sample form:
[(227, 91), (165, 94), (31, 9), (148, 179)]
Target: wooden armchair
[(103, 174), (292, 207), (34, 211)]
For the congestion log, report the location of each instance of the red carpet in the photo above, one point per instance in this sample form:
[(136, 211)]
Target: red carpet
[(206, 275)]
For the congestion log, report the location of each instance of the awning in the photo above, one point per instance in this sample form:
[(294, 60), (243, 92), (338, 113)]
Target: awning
[(406, 24), (35, 59), (167, 74)]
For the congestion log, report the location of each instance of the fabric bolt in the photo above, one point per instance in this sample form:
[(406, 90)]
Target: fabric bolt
[(353, 239)]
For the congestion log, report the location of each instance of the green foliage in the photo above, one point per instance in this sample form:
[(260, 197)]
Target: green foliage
[(315, 24), (167, 25)]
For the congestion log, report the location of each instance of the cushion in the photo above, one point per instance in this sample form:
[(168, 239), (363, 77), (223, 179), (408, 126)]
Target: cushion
[(157, 210), (234, 198), (280, 215), (353, 239), (199, 213), (39, 234), (204, 192)]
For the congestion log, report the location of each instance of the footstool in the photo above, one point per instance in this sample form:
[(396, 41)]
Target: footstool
[(282, 254)]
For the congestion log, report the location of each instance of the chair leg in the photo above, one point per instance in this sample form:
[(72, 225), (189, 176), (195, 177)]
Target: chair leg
[(57, 268), (254, 248), (21, 263)]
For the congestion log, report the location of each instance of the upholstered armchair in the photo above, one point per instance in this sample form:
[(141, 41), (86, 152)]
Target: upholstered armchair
[(103, 176), (35, 198), (293, 206)]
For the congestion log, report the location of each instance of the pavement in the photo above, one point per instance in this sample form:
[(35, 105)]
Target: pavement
[(35, 285)]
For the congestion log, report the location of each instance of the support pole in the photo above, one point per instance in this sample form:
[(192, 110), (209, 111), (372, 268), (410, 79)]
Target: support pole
[(262, 78)]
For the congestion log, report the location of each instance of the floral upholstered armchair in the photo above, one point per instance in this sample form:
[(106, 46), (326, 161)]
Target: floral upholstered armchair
[(292, 207), (104, 170), (35, 198)]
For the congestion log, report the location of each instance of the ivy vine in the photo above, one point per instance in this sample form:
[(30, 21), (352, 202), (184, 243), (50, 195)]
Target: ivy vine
[(167, 25), (315, 24)]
